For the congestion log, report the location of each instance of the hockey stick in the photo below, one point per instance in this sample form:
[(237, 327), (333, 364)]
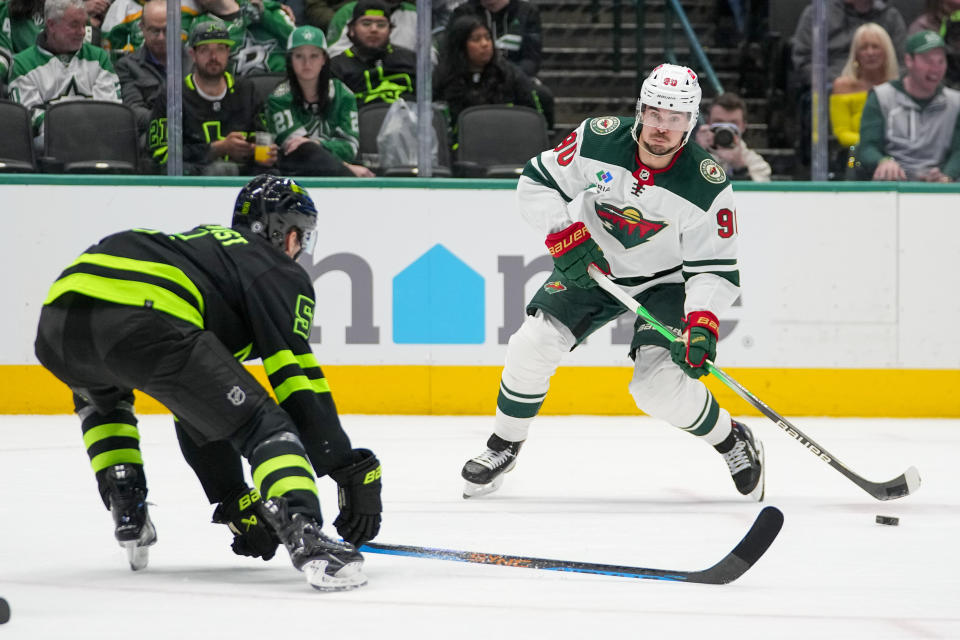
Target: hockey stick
[(733, 565), (904, 484)]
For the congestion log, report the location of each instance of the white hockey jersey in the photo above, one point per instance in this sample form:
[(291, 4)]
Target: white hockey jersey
[(676, 224)]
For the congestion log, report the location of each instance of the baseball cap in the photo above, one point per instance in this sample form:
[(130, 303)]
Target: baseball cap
[(210, 32), (306, 35), (377, 8), (924, 41)]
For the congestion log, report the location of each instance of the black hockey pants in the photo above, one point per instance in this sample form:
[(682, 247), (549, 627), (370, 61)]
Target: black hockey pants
[(102, 351)]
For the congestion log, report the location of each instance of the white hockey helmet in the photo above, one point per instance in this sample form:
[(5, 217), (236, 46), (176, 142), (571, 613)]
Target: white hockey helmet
[(673, 87)]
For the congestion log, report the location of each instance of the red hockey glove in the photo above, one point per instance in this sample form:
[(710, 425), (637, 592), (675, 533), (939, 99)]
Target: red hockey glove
[(697, 344), (573, 251)]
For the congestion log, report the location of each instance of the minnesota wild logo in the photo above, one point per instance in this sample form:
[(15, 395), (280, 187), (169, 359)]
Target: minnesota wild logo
[(554, 287), (603, 126), (627, 225), (712, 171)]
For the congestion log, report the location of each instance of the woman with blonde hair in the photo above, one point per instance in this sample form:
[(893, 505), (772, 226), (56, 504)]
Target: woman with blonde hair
[(872, 61)]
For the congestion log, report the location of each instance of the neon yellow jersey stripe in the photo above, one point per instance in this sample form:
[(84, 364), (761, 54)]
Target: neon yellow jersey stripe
[(157, 269), (280, 462), (300, 383), (281, 359), (134, 294), (109, 430)]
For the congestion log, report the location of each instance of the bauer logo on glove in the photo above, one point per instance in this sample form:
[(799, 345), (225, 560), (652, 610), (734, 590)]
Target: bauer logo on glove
[(697, 344), (573, 251)]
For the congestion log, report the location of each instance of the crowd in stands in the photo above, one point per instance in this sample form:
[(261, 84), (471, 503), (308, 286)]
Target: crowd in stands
[(893, 105), (319, 75), (893, 102)]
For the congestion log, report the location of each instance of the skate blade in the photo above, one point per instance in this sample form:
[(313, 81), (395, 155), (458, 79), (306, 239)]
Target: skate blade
[(137, 556), (348, 577), (474, 490), (138, 551)]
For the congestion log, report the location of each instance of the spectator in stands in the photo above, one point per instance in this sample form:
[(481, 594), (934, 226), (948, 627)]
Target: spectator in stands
[(722, 135), (20, 23), (219, 112), (143, 73), (373, 68), (517, 35), (61, 66), (122, 30), (259, 30), (403, 16), (515, 27), (96, 10), (472, 72), (319, 13), (909, 128), (843, 19), (943, 17), (312, 114), (872, 61)]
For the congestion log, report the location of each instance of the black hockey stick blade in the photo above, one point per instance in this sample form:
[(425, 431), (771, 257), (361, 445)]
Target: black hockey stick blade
[(903, 485), (758, 539)]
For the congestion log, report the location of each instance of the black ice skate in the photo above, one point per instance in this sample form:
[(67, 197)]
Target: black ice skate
[(484, 474), (327, 564), (744, 456), (133, 528)]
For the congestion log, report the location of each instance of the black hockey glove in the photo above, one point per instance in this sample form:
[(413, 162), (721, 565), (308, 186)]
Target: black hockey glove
[(359, 498), (252, 536)]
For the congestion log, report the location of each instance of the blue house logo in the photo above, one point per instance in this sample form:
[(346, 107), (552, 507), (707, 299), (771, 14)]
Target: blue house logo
[(438, 299)]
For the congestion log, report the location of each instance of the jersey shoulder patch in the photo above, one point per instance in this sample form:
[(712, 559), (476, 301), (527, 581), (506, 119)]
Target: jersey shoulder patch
[(608, 139), (695, 176), (604, 125), (711, 171)]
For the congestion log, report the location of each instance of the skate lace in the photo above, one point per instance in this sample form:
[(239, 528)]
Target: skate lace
[(737, 458), (493, 459)]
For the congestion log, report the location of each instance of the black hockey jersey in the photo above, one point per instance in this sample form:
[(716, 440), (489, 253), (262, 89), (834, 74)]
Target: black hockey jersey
[(254, 298), (205, 121)]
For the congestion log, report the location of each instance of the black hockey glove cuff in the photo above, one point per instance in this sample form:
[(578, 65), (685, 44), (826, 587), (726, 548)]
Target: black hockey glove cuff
[(252, 536), (359, 498)]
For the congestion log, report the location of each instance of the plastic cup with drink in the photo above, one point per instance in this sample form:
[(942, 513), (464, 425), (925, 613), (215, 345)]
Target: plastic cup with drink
[(263, 145)]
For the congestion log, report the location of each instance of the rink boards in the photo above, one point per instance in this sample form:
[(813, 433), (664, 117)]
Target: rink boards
[(849, 292)]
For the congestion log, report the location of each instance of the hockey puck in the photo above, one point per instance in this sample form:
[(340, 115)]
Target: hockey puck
[(4, 611), (890, 520)]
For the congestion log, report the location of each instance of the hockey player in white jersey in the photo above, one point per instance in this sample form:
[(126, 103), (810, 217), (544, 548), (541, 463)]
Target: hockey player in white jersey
[(656, 213)]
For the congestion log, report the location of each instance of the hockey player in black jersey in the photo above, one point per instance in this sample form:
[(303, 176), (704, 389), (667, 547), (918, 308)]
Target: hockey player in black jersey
[(174, 316)]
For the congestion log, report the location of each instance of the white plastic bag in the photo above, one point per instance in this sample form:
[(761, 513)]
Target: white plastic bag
[(397, 141)]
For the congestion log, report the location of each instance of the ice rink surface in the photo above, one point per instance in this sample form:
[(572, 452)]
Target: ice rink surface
[(629, 491)]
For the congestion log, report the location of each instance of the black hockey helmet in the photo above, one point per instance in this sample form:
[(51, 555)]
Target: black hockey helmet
[(271, 206)]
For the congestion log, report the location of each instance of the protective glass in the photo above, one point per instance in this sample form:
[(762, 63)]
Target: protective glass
[(665, 119)]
